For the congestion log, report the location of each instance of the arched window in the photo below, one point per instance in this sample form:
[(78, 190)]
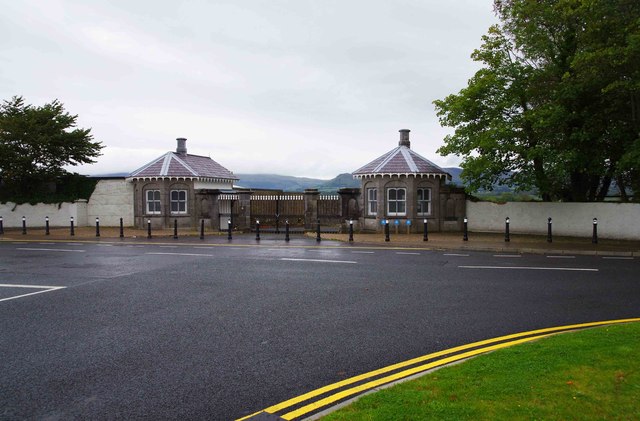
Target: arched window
[(396, 202), (424, 201), (153, 202)]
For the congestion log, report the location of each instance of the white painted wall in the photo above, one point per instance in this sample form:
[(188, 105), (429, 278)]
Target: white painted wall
[(59, 215), (615, 220), (110, 201)]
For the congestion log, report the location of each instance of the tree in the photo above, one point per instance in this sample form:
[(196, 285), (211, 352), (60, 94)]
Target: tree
[(36, 142), (555, 106)]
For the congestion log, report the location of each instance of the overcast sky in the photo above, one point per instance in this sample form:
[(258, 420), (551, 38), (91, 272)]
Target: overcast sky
[(293, 87)]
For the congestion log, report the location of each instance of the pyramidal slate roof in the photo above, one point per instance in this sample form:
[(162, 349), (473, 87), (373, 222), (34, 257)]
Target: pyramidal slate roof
[(401, 161), (179, 164)]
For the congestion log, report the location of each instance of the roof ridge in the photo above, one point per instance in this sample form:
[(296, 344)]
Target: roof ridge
[(184, 164), (407, 156), (429, 161), (139, 170), (390, 156)]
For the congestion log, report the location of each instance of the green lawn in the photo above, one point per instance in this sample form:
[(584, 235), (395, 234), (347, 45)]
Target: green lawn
[(582, 375)]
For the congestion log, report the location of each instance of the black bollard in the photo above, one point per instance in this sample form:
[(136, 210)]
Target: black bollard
[(594, 239), (286, 230), (351, 230), (426, 231), (148, 228), (318, 231), (202, 229), (175, 229), (507, 238), (277, 223), (1, 226), (121, 229), (386, 230), (72, 231), (465, 235), (24, 225), (257, 230), (46, 225), (229, 237), (549, 234), (97, 227)]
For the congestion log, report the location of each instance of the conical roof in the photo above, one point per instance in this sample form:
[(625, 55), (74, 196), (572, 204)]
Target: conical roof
[(401, 161), (179, 164)]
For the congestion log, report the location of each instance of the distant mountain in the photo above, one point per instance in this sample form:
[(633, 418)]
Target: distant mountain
[(277, 182)]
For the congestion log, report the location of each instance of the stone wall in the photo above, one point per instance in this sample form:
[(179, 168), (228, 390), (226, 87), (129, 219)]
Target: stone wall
[(111, 200)]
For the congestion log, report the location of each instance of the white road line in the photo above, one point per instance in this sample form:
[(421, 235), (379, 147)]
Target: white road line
[(104, 245), (46, 244), (406, 252), (363, 252), (617, 258), (507, 255), (168, 247), (45, 288), (30, 286), (203, 248), (528, 268), (561, 257), (62, 250), (455, 254), (317, 260), (181, 254)]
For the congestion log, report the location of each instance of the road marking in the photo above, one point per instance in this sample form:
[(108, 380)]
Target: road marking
[(617, 258), (61, 250), (561, 257), (363, 252), (168, 247), (528, 268), (406, 252), (180, 254), (317, 260), (481, 346), (455, 254), (104, 245), (45, 288), (507, 255)]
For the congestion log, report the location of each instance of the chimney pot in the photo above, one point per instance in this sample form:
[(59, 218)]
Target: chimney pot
[(182, 146), (404, 138)]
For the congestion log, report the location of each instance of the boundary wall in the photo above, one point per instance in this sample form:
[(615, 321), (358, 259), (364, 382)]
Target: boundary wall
[(110, 201), (615, 220)]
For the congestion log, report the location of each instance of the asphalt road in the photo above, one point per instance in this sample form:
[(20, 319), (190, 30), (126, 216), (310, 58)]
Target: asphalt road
[(193, 331)]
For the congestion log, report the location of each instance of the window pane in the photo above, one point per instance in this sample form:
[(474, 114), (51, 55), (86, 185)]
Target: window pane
[(174, 206), (156, 207), (402, 194), (427, 194), (174, 195), (182, 195), (401, 207), (420, 194), (182, 207), (149, 195), (374, 207), (392, 194), (392, 207)]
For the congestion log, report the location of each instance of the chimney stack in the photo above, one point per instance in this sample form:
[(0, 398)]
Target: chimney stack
[(404, 138), (182, 146)]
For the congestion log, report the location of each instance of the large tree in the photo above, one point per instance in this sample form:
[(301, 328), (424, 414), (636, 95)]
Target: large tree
[(37, 142), (556, 104)]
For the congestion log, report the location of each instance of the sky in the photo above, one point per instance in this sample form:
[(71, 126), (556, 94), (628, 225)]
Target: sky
[(292, 87)]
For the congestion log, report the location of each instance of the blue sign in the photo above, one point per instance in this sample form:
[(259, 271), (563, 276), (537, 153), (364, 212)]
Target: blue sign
[(383, 222), (396, 222), (408, 221)]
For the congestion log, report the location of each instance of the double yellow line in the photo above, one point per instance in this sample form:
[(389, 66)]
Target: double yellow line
[(481, 347)]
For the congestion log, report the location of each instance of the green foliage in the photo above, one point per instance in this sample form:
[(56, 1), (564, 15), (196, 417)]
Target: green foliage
[(35, 144), (556, 106), (585, 375), (65, 188)]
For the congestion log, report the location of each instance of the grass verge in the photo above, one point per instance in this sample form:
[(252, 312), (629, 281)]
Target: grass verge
[(582, 375)]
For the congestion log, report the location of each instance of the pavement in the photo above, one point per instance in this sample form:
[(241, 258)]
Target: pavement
[(478, 241)]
